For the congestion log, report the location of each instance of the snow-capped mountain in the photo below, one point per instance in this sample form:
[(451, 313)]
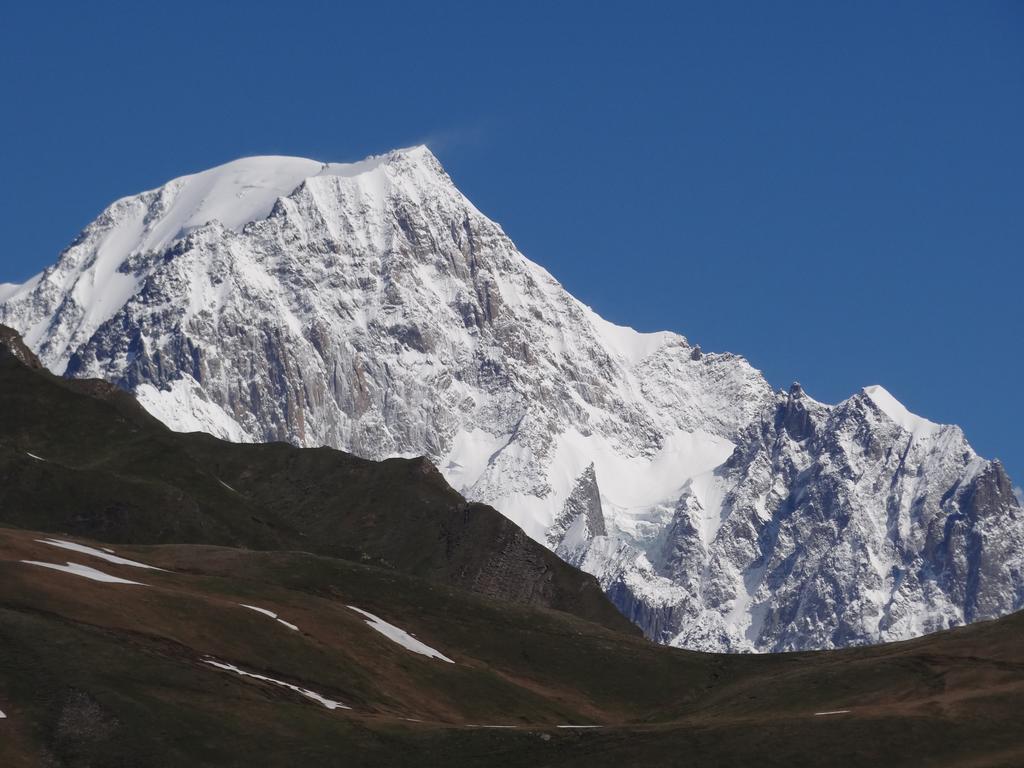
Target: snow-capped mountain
[(371, 307)]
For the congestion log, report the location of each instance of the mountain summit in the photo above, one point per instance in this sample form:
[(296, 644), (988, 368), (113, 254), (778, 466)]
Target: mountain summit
[(371, 307)]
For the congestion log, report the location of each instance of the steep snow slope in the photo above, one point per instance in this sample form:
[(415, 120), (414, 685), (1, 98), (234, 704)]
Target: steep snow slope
[(895, 410), (372, 307), (8, 289)]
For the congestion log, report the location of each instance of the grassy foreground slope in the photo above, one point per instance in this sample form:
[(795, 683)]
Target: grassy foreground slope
[(107, 673), (112, 674)]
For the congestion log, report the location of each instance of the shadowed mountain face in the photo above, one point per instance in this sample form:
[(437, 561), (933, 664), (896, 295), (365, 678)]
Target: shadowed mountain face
[(82, 457), (172, 600)]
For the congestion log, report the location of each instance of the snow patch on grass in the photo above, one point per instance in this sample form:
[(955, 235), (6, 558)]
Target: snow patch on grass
[(271, 614), (102, 554), (329, 703), (84, 571), (400, 636)]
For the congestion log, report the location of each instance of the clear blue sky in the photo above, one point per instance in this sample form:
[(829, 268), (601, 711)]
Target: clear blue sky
[(832, 189)]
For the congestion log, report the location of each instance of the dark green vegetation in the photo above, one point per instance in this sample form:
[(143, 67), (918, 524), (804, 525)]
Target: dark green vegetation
[(99, 674), (115, 473)]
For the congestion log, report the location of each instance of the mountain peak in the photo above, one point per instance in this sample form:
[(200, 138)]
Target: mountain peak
[(916, 425), (371, 307), (99, 270), (245, 190)]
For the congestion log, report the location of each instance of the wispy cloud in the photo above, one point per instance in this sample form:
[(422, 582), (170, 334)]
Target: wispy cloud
[(1019, 493), (451, 139)]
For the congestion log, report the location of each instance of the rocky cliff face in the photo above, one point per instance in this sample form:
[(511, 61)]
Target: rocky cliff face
[(373, 308), (828, 526)]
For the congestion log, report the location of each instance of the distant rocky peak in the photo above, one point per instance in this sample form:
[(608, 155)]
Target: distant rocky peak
[(794, 414)]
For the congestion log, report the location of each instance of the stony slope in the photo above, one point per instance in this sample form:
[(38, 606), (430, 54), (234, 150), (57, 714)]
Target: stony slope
[(371, 307)]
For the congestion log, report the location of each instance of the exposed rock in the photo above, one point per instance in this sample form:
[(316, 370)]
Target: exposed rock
[(581, 508), (12, 344)]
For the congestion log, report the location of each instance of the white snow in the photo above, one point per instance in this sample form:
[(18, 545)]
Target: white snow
[(329, 703), (576, 538), (101, 554), (400, 636), (226, 485), (186, 407), (578, 726), (10, 290), (103, 289), (236, 193), (744, 616), (2, 715), (85, 571), (632, 345), (33, 456), (271, 614), (832, 712), (710, 489), (469, 456), (916, 425), (634, 489)]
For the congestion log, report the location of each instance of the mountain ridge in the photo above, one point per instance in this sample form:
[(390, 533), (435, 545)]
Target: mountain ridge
[(382, 313)]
